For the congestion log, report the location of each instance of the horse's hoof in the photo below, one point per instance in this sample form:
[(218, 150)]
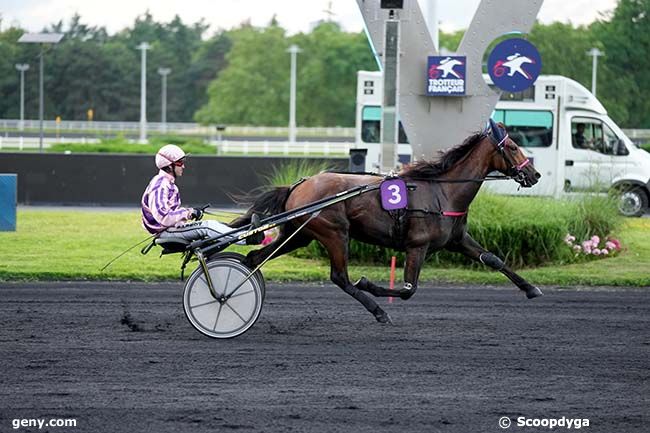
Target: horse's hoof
[(406, 294), (533, 292), (383, 317)]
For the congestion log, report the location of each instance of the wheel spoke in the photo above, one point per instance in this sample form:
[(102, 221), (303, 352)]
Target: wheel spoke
[(203, 304), (239, 294), (236, 313), (214, 328)]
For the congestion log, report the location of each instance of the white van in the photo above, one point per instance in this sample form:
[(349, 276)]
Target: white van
[(559, 124)]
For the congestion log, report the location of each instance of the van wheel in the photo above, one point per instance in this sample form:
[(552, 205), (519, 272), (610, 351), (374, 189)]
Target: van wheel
[(632, 201)]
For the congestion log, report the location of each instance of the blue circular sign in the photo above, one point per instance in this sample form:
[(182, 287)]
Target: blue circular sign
[(514, 65)]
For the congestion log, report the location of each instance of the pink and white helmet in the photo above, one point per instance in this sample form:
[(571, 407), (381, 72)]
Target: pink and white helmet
[(168, 154)]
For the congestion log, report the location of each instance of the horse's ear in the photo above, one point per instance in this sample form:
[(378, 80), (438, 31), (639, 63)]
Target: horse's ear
[(494, 131)]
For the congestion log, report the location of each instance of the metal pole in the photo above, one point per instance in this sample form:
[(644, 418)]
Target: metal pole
[(163, 97), (143, 91), (293, 50), (389, 130), (41, 103), (594, 53), (22, 67), (432, 22)]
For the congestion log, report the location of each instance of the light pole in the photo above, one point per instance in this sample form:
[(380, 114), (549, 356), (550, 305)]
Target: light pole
[(144, 46), (293, 50), (595, 53), (22, 67), (42, 39), (163, 97)]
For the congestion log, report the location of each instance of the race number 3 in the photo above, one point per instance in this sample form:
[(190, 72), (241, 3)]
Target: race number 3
[(393, 194)]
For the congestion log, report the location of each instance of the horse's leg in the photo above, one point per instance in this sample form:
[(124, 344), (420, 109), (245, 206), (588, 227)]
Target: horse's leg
[(414, 259), (470, 248), (337, 248)]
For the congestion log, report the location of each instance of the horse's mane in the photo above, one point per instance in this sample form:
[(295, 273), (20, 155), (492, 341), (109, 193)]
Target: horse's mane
[(427, 169)]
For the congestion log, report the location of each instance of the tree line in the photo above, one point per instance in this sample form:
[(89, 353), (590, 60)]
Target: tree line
[(241, 75)]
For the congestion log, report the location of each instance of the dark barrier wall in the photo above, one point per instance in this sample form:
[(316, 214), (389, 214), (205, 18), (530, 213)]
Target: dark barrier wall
[(119, 180)]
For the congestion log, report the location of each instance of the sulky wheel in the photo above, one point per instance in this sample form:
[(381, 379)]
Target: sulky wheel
[(239, 258), (236, 307)]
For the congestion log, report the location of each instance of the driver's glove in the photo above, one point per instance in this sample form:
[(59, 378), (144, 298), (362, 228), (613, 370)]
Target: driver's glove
[(196, 214)]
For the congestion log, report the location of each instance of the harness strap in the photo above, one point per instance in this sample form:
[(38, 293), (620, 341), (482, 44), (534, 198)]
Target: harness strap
[(453, 214), (442, 213)]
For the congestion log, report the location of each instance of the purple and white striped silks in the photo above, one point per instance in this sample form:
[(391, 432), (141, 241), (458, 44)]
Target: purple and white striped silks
[(161, 204)]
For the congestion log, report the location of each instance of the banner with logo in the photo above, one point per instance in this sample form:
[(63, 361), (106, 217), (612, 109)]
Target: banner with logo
[(514, 65), (446, 75)]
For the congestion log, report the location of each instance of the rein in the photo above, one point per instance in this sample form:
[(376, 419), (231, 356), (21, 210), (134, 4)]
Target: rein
[(478, 179)]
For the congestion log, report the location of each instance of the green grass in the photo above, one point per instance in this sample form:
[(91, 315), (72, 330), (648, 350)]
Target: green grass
[(646, 147), (75, 244)]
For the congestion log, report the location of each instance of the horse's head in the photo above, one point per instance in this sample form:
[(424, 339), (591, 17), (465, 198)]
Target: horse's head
[(508, 157)]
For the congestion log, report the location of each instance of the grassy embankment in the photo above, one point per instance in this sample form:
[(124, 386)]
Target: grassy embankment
[(70, 244)]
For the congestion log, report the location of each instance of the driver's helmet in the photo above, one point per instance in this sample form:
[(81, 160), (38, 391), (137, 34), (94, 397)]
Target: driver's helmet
[(168, 154)]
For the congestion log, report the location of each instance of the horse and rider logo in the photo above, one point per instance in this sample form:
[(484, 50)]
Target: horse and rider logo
[(446, 75), (514, 65)]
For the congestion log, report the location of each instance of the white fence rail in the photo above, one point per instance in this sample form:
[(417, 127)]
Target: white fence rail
[(283, 148), (225, 147), (171, 128), (22, 143), (638, 134)]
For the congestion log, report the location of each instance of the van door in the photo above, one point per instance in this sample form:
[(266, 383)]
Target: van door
[(595, 157)]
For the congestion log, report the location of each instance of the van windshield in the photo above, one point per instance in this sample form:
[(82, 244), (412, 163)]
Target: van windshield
[(528, 128)]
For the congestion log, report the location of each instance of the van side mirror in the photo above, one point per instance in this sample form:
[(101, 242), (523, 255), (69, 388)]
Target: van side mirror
[(621, 149)]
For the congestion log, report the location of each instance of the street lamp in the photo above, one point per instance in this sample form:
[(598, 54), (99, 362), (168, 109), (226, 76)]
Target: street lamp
[(595, 53), (22, 67), (293, 50), (163, 98), (144, 46), (42, 39)]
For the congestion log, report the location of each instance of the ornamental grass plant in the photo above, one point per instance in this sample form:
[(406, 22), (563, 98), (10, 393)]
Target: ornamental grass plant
[(524, 231)]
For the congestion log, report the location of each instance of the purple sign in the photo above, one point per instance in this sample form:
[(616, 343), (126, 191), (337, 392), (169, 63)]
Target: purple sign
[(393, 194)]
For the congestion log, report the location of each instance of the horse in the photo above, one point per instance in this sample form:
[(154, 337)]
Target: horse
[(436, 216)]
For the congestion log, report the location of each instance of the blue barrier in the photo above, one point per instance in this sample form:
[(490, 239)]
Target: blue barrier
[(8, 188)]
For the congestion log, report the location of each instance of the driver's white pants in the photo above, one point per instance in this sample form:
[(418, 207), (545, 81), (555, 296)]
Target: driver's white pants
[(201, 230)]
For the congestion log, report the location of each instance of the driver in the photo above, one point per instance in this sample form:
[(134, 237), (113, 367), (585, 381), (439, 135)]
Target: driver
[(162, 212)]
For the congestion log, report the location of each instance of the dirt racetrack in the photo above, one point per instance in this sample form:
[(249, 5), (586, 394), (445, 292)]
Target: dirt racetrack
[(121, 357)]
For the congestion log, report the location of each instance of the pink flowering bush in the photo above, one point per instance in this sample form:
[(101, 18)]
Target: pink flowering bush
[(593, 246)]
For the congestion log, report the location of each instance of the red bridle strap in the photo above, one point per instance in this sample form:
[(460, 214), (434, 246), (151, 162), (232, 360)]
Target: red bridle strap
[(453, 214), (523, 164)]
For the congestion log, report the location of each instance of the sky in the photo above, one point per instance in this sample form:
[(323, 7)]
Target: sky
[(294, 15)]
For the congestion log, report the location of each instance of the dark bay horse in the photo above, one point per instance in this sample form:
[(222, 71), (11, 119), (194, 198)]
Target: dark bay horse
[(436, 217)]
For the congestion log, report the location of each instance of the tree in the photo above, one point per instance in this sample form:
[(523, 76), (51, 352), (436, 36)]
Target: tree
[(626, 42), (327, 80), (253, 87), (327, 74)]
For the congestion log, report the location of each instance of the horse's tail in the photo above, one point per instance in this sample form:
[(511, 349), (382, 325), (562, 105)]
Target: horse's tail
[(268, 203)]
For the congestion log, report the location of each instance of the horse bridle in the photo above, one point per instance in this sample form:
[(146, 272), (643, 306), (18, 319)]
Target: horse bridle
[(516, 170)]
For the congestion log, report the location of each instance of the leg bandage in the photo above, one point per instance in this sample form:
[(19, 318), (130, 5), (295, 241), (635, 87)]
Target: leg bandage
[(492, 261)]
